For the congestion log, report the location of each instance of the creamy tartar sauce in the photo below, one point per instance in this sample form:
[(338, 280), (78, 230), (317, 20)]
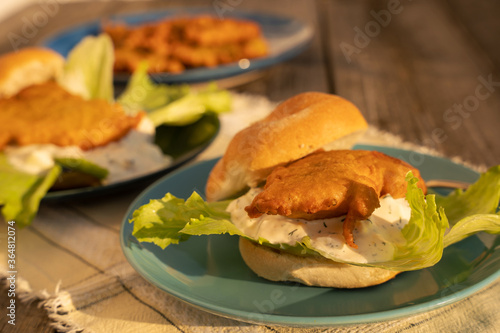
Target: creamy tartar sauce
[(375, 236), (132, 156)]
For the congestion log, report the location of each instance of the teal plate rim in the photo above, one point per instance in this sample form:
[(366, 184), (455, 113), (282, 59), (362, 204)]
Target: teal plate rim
[(208, 272)]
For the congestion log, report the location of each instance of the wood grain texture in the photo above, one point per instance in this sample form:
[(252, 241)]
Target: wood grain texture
[(416, 74)]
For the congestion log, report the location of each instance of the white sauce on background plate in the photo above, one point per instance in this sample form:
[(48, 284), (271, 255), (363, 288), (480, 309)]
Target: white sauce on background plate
[(374, 236), (132, 156)]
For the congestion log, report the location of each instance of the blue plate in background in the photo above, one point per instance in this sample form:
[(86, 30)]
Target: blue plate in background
[(209, 273), (286, 37)]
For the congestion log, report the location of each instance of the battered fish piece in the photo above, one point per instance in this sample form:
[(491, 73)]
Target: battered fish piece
[(211, 31), (333, 183), (48, 114), (175, 44)]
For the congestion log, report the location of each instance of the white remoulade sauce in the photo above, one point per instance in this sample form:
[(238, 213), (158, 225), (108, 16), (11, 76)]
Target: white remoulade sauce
[(133, 155), (375, 236)]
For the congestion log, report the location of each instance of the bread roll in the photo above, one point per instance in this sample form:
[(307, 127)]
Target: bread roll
[(297, 127), (27, 67), (276, 265)]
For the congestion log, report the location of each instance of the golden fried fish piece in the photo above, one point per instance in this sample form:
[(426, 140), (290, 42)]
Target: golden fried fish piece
[(173, 45), (333, 183), (48, 114), (212, 31)]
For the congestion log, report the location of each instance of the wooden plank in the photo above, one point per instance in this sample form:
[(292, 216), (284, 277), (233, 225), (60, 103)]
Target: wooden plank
[(413, 71)]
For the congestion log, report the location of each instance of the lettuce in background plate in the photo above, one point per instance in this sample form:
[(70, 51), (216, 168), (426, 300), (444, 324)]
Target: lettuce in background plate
[(287, 38)]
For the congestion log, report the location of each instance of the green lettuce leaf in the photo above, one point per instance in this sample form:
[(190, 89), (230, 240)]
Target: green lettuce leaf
[(82, 165), (193, 106), (88, 70), (425, 234), (176, 105), (21, 192), (163, 221), (471, 225), (142, 93)]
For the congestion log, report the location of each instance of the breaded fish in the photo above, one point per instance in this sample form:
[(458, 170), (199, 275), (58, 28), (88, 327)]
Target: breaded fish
[(175, 44), (46, 113), (334, 183), (206, 30)]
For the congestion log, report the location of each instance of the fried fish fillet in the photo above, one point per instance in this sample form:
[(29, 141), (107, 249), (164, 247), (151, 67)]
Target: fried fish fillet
[(48, 114), (175, 44), (334, 183), (206, 30)]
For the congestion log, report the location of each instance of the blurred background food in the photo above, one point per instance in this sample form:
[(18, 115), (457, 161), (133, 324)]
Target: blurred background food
[(175, 44), (63, 129), (427, 72)]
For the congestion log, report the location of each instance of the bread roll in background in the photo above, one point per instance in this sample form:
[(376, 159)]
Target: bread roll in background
[(295, 128), (27, 67)]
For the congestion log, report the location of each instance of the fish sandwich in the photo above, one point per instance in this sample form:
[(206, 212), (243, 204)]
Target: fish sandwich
[(309, 209)]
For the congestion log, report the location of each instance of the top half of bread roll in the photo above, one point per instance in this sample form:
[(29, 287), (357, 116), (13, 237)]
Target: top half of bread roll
[(295, 128)]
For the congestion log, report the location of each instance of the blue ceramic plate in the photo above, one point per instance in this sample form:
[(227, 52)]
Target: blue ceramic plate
[(287, 38), (209, 273)]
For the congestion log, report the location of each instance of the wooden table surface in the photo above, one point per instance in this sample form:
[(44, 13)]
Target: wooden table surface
[(427, 71)]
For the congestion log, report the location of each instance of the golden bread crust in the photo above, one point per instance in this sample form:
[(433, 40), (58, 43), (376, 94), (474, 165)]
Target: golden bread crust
[(297, 127)]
